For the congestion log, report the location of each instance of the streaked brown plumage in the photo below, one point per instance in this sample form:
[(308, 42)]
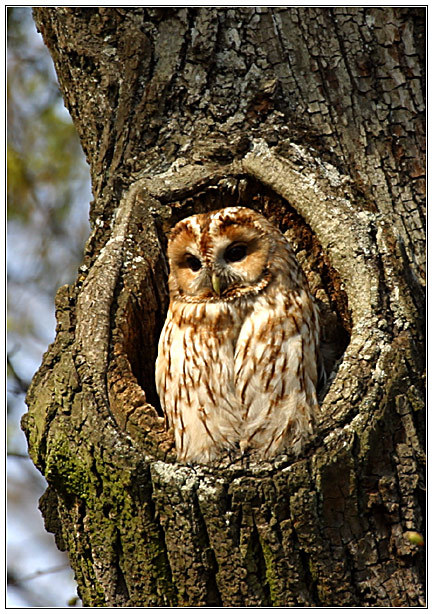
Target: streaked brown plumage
[(237, 357)]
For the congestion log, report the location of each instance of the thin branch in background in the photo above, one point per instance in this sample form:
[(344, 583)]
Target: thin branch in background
[(22, 385), (31, 595), (13, 581), (18, 455)]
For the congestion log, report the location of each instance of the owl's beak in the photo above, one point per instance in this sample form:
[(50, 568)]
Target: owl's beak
[(216, 284)]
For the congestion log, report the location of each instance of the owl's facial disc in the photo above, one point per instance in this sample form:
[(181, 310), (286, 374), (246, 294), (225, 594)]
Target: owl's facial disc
[(219, 257)]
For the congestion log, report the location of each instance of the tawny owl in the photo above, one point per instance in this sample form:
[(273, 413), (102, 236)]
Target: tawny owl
[(237, 357)]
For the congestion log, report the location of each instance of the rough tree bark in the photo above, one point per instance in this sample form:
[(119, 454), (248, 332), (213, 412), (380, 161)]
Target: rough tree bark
[(315, 116)]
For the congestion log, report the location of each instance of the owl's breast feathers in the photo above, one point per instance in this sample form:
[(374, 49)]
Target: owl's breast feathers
[(237, 358)]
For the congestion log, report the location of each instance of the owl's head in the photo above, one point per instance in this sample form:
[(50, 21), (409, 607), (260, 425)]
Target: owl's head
[(222, 255)]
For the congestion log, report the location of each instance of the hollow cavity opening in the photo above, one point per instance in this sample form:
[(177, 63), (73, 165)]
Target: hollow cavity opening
[(146, 316)]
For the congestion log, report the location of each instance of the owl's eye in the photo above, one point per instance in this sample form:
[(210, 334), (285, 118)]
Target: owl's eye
[(235, 253), (192, 262)]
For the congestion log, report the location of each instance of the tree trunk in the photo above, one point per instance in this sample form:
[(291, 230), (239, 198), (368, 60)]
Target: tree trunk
[(315, 117)]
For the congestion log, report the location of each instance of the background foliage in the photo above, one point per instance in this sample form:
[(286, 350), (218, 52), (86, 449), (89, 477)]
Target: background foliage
[(48, 193)]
